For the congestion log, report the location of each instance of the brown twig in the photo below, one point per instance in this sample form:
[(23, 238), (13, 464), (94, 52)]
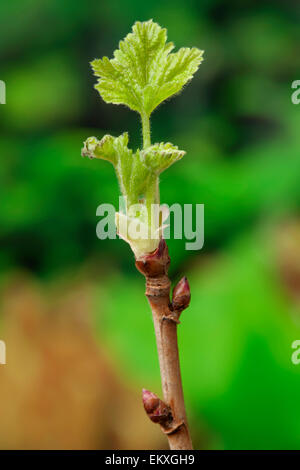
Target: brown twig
[(170, 414)]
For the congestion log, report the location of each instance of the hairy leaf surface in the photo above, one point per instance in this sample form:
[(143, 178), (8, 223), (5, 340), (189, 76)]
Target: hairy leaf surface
[(144, 72)]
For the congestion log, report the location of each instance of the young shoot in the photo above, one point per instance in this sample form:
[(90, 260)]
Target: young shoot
[(142, 74)]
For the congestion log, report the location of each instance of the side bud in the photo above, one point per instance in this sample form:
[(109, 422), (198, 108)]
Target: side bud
[(181, 295), (155, 408)]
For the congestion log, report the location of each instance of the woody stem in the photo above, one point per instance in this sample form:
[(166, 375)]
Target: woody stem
[(165, 320)]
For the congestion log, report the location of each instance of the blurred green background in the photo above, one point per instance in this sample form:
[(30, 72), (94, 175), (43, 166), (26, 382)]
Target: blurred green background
[(78, 330)]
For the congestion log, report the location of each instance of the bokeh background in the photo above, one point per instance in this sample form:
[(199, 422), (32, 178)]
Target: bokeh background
[(77, 327)]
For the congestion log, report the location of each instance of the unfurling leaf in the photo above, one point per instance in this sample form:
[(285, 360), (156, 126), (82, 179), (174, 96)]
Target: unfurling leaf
[(159, 157), (144, 72), (107, 148), (133, 175)]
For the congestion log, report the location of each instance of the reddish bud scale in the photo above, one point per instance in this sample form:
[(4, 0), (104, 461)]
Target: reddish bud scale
[(156, 263)]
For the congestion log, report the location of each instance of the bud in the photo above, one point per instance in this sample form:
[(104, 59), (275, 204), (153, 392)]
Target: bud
[(181, 295), (155, 408)]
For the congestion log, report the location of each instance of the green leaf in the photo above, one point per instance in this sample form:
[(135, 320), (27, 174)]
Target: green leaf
[(159, 157), (144, 72)]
